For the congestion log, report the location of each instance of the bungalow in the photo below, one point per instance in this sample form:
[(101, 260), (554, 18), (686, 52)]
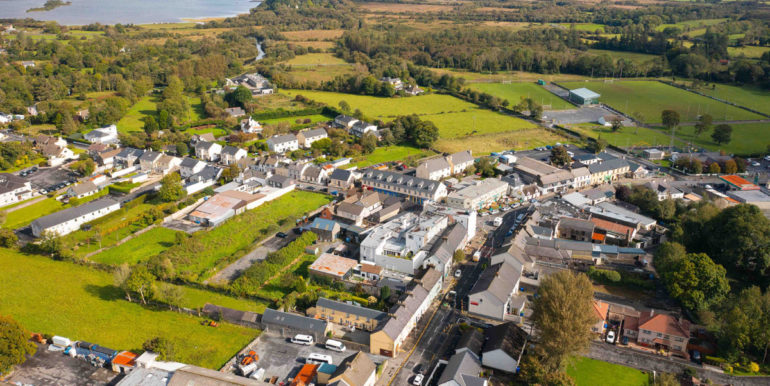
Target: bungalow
[(85, 189), (306, 138), (503, 346), (250, 126), (341, 179), (127, 157), (357, 369), (106, 134), (149, 160), (291, 324), (332, 266), (232, 154), (280, 182), (282, 143), (493, 294), (190, 166), (314, 174), (70, 220), (345, 121), (208, 151), (664, 331), (13, 189), (349, 315)]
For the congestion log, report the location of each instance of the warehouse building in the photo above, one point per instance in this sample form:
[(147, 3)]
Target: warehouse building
[(583, 97)]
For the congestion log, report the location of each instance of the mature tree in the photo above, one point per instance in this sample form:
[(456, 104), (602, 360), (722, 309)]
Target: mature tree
[(141, 281), (598, 146), (668, 256), (150, 124), (563, 315), (458, 256), (344, 106), (164, 347), (704, 124), (369, 142), (722, 134), (485, 167), (171, 188), (120, 278), (741, 324), (670, 118), (384, 293), (617, 123), (696, 281), (731, 167), (14, 344), (241, 96), (8, 238), (534, 372), (424, 134), (714, 168), (182, 149), (559, 156), (170, 294), (740, 239)]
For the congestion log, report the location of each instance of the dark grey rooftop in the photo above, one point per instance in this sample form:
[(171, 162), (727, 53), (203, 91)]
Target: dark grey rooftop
[(65, 215), (297, 322)]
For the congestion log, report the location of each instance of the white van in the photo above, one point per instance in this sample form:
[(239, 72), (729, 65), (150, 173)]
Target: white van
[(258, 375), (307, 340), (335, 345), (317, 359)]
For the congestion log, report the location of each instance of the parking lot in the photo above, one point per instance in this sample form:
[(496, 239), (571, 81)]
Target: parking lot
[(582, 115), (54, 368), (45, 178)]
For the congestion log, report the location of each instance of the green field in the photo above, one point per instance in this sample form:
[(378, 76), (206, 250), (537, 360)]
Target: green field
[(584, 27), (752, 97), (627, 136), (747, 138), (486, 143), (692, 24), (625, 55), (515, 92), (64, 299), (293, 120), (388, 154), (454, 117), (22, 217), (315, 59), (752, 52), (139, 248), (132, 121), (650, 98), (590, 372)]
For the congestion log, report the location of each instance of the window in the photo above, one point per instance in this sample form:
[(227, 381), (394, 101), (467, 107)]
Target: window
[(660, 335)]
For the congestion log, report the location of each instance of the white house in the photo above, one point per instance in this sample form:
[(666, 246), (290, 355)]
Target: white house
[(307, 137), (250, 126), (282, 143), (345, 121), (70, 220), (232, 154), (13, 189), (190, 166), (360, 128), (208, 151), (492, 295), (503, 347), (149, 160), (106, 134), (443, 167), (85, 189)]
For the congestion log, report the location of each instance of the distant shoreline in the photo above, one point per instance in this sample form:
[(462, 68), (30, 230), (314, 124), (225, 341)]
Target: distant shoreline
[(49, 5)]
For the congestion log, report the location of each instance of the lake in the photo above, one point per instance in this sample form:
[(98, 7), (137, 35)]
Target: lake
[(125, 11)]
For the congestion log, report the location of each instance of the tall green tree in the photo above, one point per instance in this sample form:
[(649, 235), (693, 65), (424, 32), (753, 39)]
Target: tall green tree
[(171, 188), (722, 134), (241, 96), (563, 314), (739, 239), (14, 344), (141, 281), (559, 156), (670, 118), (696, 281), (704, 124)]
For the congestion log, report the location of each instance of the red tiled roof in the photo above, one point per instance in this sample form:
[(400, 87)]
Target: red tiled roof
[(611, 226), (631, 323), (739, 182), (601, 309), (664, 323), (598, 236), (125, 358)]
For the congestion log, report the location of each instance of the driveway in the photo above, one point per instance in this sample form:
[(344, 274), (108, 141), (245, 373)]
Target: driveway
[(234, 270)]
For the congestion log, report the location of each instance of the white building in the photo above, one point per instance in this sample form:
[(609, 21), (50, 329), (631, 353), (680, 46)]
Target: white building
[(190, 166), (282, 143), (70, 220), (479, 195), (13, 189), (250, 126), (208, 151), (443, 167), (107, 134), (360, 128), (232, 154), (345, 121), (493, 294)]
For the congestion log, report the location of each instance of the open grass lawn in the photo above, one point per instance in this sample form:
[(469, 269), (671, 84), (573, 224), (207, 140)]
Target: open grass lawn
[(388, 154), (747, 139), (24, 165), (214, 130), (132, 121), (208, 250), (630, 56), (319, 74), (487, 143), (589, 372), (278, 101), (140, 248), (749, 96), (81, 303), (316, 59), (293, 120), (516, 76), (691, 24), (753, 52), (585, 27), (627, 136), (515, 92), (650, 98), (454, 117), (326, 34), (22, 217), (33, 130)]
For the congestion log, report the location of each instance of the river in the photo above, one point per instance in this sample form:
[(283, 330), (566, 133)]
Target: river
[(82, 12)]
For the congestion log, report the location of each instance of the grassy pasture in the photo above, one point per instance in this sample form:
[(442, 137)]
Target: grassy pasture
[(748, 96), (747, 138), (303, 35), (691, 24), (584, 27), (139, 248), (388, 154), (752, 52), (627, 136), (293, 120), (132, 121), (516, 76), (630, 56), (487, 143), (588, 372), (515, 92), (316, 59), (650, 98), (81, 303)]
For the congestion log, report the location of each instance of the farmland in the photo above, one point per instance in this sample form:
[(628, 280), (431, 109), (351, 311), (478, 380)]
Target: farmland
[(454, 117), (388, 154), (500, 76), (293, 120), (630, 56), (747, 138), (627, 136), (317, 67), (748, 96), (315, 59), (139, 248), (132, 121), (650, 98), (752, 52), (586, 372), (486, 143), (514, 92), (86, 306)]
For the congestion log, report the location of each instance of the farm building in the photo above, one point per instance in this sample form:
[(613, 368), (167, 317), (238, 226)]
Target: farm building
[(583, 97), (653, 154)]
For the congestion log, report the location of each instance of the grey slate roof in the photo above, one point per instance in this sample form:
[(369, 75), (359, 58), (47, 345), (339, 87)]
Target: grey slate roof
[(346, 119), (464, 369), (10, 182), (83, 188), (294, 321), (498, 280), (399, 182), (230, 150), (129, 152), (150, 156), (313, 132), (462, 157), (611, 164), (285, 138), (341, 174), (449, 243), (188, 162), (73, 213), (434, 164), (402, 313), (507, 336), (472, 340), (207, 173), (351, 309), (204, 145), (323, 224)]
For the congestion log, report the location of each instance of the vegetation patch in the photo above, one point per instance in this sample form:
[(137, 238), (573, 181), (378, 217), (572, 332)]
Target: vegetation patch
[(515, 92), (388, 154), (587, 371), (486, 143), (22, 217), (140, 248)]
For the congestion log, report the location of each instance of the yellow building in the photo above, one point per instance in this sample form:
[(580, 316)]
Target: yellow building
[(348, 314)]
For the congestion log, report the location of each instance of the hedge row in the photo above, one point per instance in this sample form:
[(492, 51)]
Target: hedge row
[(259, 273), (623, 278)]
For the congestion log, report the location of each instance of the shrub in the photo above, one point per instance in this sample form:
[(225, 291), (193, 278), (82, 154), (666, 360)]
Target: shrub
[(754, 367), (715, 361), (604, 275)]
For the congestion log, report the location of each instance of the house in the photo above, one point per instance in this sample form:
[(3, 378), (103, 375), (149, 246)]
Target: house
[(54, 149), (357, 209), (665, 191), (345, 121), (166, 164), (306, 138), (462, 369), (205, 137), (608, 170), (583, 97), (492, 295), (69, 220), (355, 370), (190, 166), (413, 90), (574, 229), (327, 230), (13, 189), (314, 174), (149, 160), (653, 154), (28, 63), (127, 157), (395, 82), (280, 182), (663, 331), (620, 215), (106, 158), (627, 317), (503, 346), (479, 195), (235, 112), (434, 169), (332, 266), (269, 163), (294, 171), (106, 134), (341, 179), (403, 317), (208, 151), (220, 207), (282, 143), (636, 170), (441, 254), (471, 340), (550, 179), (250, 126), (360, 128), (256, 83), (84, 189), (418, 190), (613, 233), (231, 154), (206, 177), (582, 177), (291, 324), (601, 311), (349, 315)]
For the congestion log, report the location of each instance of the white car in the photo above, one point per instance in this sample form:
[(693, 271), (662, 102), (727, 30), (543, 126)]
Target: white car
[(418, 379), (611, 337), (458, 273), (755, 164), (767, 158)]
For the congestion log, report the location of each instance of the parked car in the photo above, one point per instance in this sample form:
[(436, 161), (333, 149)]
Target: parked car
[(281, 235), (418, 379), (611, 337), (624, 340), (696, 357), (458, 273), (755, 164)]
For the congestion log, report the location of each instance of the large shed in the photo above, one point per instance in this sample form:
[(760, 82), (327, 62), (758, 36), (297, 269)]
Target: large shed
[(583, 96)]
